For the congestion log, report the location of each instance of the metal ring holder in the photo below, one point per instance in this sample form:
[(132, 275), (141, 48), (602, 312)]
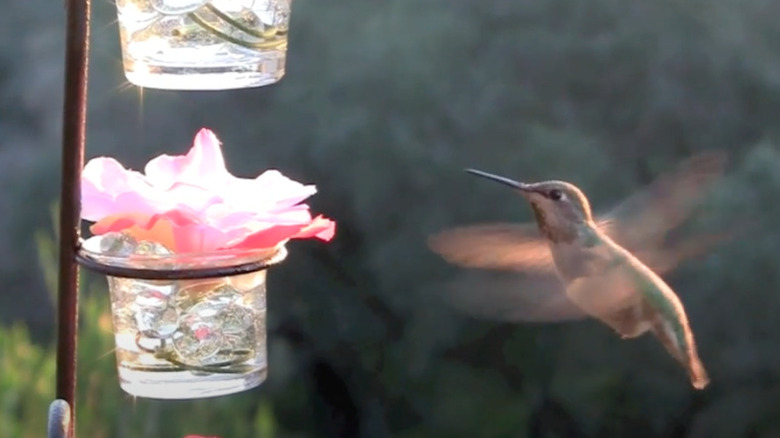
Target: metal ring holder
[(83, 259)]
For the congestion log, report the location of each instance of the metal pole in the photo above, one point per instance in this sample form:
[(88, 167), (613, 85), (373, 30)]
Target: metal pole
[(73, 135)]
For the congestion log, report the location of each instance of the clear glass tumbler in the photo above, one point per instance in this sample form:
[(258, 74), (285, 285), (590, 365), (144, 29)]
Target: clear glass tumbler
[(203, 45), (183, 339)]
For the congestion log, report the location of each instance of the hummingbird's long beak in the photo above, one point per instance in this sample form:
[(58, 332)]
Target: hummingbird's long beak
[(506, 181)]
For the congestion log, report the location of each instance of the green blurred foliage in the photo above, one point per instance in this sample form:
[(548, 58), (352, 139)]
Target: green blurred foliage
[(383, 104)]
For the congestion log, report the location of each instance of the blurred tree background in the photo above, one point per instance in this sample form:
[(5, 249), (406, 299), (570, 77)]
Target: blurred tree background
[(383, 105)]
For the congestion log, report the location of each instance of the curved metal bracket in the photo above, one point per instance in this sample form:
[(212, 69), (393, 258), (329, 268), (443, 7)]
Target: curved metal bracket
[(225, 270)]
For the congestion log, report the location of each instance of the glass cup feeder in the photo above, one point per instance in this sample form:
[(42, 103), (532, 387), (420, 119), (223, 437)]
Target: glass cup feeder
[(185, 338), (203, 44)]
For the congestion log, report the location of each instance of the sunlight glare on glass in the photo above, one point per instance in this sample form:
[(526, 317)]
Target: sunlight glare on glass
[(103, 356)]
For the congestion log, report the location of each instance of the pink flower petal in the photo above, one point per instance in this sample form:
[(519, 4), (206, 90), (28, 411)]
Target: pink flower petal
[(267, 238), (106, 187), (191, 203), (321, 228), (268, 191), (203, 166), (189, 235), (118, 223), (191, 197), (105, 173)]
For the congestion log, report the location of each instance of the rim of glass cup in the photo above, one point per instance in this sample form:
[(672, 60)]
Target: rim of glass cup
[(182, 266)]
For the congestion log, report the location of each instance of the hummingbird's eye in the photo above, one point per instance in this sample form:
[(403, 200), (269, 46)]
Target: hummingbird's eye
[(555, 195)]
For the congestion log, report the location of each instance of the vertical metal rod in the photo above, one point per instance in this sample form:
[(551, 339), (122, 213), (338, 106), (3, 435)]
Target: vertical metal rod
[(74, 117)]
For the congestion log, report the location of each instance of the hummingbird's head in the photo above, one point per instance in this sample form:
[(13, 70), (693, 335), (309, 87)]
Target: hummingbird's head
[(557, 205)]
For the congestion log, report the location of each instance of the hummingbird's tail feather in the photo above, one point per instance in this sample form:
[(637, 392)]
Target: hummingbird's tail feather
[(688, 357), (699, 377)]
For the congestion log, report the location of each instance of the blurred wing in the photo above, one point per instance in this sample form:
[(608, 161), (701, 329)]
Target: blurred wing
[(511, 297), (666, 259), (502, 246), (645, 218)]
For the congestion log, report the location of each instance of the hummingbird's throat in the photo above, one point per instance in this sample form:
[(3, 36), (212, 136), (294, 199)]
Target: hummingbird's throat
[(555, 231)]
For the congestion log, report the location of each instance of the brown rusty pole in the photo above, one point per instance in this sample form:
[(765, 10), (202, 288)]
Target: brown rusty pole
[(73, 135)]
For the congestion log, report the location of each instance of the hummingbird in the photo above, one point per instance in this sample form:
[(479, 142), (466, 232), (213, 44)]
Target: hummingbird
[(605, 267)]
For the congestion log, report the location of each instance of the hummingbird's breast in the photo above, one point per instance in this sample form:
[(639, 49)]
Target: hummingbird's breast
[(586, 253), (573, 261)]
